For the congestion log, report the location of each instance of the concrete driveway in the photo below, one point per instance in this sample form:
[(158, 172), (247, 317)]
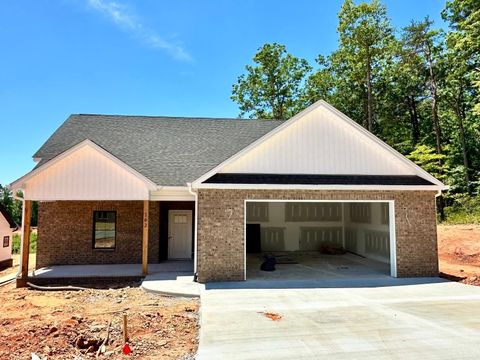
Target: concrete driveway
[(402, 319)]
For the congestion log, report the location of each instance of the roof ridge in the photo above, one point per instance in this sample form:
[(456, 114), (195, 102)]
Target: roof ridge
[(175, 117)]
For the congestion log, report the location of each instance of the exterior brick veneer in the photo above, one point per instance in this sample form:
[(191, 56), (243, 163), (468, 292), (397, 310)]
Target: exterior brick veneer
[(221, 228), (65, 230)]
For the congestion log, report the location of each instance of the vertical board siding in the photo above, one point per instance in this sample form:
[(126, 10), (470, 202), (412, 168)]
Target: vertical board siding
[(86, 174), (319, 143)]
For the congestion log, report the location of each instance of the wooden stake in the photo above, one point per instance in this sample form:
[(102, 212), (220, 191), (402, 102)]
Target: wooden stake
[(145, 238), (27, 214), (125, 329)]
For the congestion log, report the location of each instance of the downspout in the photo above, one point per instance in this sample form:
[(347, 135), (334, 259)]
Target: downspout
[(21, 232), (195, 247)]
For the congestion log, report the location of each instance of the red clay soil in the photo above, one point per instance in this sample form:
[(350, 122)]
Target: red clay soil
[(74, 324), (459, 252)]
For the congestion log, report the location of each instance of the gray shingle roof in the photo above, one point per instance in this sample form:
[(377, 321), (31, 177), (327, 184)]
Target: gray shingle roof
[(170, 151)]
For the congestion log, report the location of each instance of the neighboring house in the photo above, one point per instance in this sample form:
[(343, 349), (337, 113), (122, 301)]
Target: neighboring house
[(7, 226), (138, 189)]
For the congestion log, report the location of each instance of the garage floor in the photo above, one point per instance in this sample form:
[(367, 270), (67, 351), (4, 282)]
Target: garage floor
[(317, 267)]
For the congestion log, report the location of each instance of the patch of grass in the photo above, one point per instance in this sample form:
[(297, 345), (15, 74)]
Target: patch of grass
[(461, 217), (466, 210), (16, 243)]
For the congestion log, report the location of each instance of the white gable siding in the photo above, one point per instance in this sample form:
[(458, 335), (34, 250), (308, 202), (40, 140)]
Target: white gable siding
[(85, 174), (319, 143)]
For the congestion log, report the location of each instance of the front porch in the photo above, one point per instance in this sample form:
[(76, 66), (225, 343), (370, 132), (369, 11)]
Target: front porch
[(136, 239)]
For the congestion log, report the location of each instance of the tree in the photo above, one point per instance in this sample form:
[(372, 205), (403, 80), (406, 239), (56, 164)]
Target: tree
[(423, 43), (14, 207), (464, 38), (321, 84), (271, 88), (366, 36), (426, 157), (456, 91), (463, 77)]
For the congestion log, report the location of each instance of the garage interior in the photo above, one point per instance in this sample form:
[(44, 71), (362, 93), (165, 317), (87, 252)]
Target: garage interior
[(318, 240)]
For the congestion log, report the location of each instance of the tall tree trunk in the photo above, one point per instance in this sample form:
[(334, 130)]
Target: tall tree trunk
[(436, 122), (434, 95), (369, 94), (460, 112), (412, 110)]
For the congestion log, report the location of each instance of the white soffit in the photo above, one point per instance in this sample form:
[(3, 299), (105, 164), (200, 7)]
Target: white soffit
[(172, 193), (85, 172)]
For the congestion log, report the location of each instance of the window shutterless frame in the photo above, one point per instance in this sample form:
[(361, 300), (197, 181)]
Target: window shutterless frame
[(95, 220)]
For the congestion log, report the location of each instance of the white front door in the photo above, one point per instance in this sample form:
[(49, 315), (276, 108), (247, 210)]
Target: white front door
[(180, 234)]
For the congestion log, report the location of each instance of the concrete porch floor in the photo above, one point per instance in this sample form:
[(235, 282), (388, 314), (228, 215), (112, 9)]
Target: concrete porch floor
[(317, 266), (165, 270), (167, 278)]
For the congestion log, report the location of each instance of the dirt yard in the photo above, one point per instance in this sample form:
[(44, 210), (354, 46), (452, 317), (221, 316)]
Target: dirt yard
[(459, 252), (74, 324)]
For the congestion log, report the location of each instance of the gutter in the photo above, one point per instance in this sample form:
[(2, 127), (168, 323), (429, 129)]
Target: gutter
[(195, 239)]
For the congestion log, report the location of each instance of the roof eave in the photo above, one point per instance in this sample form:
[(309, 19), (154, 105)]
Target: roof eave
[(322, 187)]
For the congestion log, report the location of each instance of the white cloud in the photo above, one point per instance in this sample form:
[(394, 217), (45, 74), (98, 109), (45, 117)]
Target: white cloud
[(123, 17)]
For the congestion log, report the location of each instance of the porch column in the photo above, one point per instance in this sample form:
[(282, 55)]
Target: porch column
[(146, 205), (27, 214)]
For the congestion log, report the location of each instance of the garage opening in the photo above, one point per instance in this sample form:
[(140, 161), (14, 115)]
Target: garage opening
[(319, 239)]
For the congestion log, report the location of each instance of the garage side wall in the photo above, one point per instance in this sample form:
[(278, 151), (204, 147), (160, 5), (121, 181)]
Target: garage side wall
[(65, 231), (221, 228)]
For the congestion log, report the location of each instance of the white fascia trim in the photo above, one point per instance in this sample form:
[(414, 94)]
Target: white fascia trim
[(18, 184), (319, 187), (321, 103)]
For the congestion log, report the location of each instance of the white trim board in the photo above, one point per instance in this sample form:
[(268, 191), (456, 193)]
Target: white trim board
[(391, 225), (319, 187), (347, 124)]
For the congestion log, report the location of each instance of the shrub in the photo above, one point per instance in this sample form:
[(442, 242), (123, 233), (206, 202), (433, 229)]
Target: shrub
[(16, 243), (465, 210)]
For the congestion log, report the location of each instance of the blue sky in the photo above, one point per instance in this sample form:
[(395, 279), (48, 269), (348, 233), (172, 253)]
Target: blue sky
[(145, 57)]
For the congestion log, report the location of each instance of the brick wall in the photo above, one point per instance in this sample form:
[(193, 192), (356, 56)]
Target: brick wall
[(65, 230), (221, 228)]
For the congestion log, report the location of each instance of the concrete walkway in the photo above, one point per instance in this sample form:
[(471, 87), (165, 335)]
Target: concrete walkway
[(180, 286), (406, 319)]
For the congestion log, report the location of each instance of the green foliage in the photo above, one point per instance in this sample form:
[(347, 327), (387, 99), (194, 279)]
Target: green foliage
[(465, 210), (426, 157), (14, 207), (464, 38), (271, 88), (418, 89), (16, 242)]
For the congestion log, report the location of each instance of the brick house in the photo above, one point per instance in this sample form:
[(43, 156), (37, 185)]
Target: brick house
[(221, 192)]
